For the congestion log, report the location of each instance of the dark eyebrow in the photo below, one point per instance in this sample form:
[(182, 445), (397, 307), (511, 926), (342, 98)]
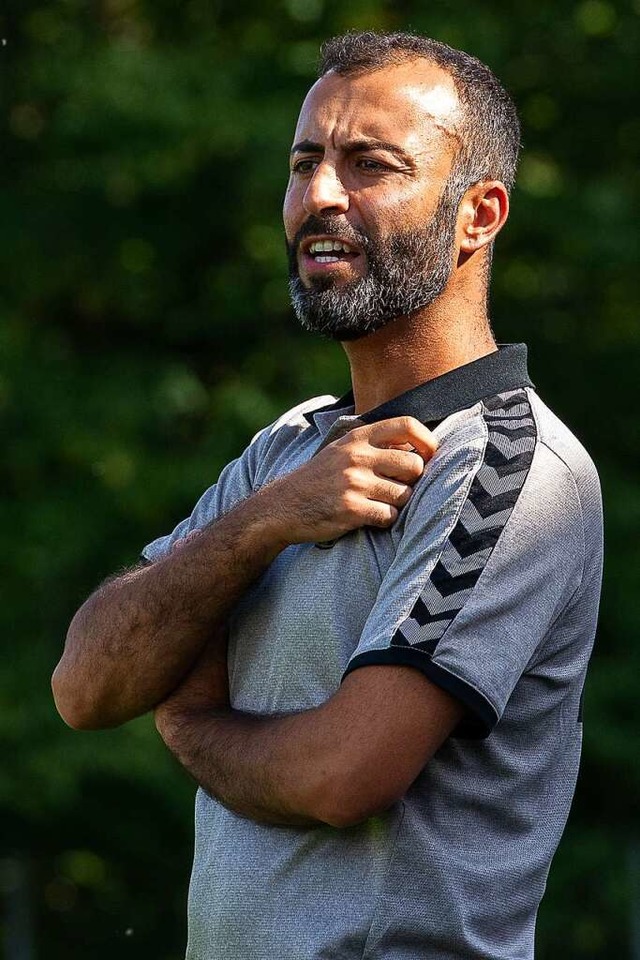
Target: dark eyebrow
[(307, 146), (356, 146)]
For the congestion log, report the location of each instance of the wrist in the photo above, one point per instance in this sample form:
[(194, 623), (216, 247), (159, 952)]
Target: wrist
[(271, 525), (174, 720)]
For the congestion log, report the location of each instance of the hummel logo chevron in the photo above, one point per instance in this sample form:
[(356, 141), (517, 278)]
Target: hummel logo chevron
[(467, 543), (513, 433), (422, 616), (487, 505), (504, 465), (505, 402), (447, 583), (495, 490)]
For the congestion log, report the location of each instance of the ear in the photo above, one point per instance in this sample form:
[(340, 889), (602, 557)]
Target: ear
[(482, 213)]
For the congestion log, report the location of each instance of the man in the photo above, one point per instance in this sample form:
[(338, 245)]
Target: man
[(369, 640)]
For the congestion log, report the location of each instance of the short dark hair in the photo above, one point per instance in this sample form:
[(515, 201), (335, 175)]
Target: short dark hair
[(490, 129)]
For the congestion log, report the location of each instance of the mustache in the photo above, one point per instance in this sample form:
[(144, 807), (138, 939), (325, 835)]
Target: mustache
[(330, 227)]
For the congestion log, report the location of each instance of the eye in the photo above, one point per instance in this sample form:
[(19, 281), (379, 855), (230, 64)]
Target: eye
[(304, 166), (374, 166)]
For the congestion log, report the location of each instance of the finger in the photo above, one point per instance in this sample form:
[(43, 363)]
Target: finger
[(403, 430), (404, 465), (395, 494), (381, 514)]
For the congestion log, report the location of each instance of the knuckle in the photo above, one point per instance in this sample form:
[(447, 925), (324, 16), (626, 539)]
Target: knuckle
[(431, 442), (352, 454), (352, 476), (390, 493), (408, 423), (349, 501)]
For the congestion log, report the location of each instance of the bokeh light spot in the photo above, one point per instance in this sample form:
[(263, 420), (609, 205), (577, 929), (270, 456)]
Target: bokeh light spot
[(540, 176), (596, 18)]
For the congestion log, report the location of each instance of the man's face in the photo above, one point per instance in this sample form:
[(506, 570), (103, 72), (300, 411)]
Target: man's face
[(369, 221)]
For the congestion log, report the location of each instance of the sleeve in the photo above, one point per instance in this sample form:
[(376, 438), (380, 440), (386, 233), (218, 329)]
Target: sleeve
[(490, 556)]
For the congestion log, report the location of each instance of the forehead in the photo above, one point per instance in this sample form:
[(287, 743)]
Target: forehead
[(408, 103)]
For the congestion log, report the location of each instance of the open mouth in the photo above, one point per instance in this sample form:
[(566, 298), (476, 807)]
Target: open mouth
[(328, 251)]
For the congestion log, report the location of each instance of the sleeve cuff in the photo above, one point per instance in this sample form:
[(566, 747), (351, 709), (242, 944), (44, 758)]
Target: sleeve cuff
[(482, 715)]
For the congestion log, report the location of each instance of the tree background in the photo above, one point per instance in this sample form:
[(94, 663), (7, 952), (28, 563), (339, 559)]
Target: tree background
[(145, 335)]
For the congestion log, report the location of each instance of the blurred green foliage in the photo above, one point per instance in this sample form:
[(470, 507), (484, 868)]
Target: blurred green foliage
[(145, 334)]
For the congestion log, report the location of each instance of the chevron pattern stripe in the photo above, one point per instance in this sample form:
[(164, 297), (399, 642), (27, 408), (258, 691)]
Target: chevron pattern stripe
[(492, 496)]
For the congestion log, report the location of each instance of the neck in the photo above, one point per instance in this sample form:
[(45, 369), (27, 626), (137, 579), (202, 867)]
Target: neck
[(411, 350)]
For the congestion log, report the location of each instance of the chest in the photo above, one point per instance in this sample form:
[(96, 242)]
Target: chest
[(294, 631)]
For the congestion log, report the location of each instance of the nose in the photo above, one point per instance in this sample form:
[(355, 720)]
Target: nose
[(325, 192)]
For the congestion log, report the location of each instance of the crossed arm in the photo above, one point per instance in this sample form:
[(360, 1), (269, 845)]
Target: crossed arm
[(154, 638), (338, 764)]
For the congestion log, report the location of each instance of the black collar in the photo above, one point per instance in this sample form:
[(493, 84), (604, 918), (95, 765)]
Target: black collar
[(431, 402)]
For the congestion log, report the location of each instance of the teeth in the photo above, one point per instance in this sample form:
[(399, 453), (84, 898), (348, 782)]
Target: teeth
[(327, 259), (327, 246)]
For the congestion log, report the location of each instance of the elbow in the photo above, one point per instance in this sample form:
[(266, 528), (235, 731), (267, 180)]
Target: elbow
[(86, 696), (67, 704), (343, 814), (75, 706), (346, 803)]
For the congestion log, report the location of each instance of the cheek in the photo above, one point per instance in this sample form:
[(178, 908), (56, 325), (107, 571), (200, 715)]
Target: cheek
[(412, 211), (292, 210), (382, 215)]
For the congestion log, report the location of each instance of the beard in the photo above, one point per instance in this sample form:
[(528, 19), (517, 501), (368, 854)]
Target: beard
[(406, 272)]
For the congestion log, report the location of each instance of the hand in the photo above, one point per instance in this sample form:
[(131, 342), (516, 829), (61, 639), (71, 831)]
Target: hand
[(206, 687), (362, 479)]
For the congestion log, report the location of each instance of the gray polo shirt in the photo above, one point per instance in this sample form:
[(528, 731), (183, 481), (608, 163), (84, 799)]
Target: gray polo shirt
[(488, 583)]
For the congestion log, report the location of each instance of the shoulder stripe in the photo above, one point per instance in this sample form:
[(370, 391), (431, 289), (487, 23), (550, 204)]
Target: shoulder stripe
[(494, 492)]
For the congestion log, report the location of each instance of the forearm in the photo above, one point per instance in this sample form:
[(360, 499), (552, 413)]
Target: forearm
[(134, 640), (137, 636), (339, 763), (251, 764)]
